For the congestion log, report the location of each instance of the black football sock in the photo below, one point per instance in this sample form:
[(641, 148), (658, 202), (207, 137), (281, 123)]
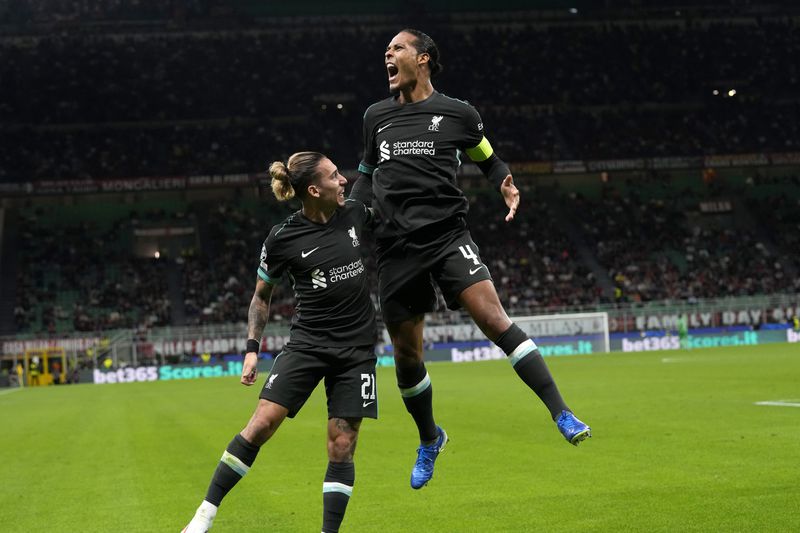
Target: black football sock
[(234, 464), (336, 491), (529, 365), (417, 391)]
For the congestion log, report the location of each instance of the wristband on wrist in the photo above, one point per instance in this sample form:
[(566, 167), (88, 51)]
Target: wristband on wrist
[(253, 346)]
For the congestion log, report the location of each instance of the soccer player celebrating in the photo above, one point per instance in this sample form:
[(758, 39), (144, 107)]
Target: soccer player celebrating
[(333, 337), (412, 145)]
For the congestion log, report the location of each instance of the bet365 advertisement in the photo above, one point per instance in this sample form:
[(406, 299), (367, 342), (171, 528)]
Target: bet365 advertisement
[(463, 352)]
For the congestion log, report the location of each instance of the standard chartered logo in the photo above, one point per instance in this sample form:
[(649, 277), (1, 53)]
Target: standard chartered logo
[(384, 152), (344, 272), (318, 279), (336, 274), (406, 148), (413, 148)]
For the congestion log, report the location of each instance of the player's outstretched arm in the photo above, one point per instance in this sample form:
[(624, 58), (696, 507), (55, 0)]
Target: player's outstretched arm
[(511, 196), (257, 317), (497, 172)]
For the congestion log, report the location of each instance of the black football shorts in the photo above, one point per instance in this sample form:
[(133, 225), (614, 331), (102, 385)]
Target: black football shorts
[(349, 374), (442, 253)]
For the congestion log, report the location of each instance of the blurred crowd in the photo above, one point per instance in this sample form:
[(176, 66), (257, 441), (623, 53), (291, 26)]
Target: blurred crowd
[(628, 243), (97, 104), (659, 247), (95, 101), (83, 276)]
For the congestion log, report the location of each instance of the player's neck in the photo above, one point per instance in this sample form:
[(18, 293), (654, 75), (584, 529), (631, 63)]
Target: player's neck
[(417, 93), (318, 214)]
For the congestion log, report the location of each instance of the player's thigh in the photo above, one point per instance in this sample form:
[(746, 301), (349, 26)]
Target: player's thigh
[(458, 266), (295, 373), (483, 305), (350, 385), (405, 287)]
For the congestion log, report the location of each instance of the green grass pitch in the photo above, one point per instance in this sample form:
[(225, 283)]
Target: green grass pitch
[(679, 445)]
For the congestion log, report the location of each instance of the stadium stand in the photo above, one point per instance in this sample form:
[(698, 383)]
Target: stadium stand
[(183, 101), (108, 99), (87, 283)]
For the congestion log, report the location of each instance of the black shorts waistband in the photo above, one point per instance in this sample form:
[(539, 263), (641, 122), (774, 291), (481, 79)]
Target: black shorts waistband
[(428, 232)]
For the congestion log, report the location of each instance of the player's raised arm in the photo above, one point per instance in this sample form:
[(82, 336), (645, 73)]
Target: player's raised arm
[(498, 173), (257, 317)]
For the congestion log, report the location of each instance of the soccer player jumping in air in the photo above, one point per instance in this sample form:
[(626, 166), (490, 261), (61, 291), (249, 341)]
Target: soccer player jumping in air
[(412, 144), (333, 338)]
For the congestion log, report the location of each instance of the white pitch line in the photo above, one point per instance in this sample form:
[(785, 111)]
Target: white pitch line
[(781, 403), (9, 391)]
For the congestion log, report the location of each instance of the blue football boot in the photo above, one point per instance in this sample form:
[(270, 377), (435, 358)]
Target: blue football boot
[(573, 429), (426, 456)]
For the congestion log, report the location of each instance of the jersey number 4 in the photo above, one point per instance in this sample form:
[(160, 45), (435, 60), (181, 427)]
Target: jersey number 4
[(469, 254)]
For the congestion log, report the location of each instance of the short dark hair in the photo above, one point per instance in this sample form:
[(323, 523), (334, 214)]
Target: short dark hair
[(425, 45)]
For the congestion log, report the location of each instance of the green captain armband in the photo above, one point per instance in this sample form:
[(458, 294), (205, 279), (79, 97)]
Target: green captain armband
[(482, 152)]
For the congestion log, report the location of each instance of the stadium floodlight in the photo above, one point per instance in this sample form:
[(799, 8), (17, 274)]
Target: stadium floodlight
[(559, 328)]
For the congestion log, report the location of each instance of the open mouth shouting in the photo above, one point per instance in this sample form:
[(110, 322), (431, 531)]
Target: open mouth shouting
[(392, 71)]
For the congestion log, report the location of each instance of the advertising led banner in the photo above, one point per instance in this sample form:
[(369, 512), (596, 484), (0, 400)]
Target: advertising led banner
[(464, 352), (133, 184), (531, 167), (576, 166), (69, 344), (170, 372), (703, 319), (736, 160), (215, 345), (637, 343)]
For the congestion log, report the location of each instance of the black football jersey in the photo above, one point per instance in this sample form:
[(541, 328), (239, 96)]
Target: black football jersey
[(323, 262), (413, 153)]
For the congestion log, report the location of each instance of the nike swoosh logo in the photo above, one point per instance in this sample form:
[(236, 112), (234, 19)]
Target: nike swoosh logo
[(306, 254), (473, 270), (384, 127), (367, 404)]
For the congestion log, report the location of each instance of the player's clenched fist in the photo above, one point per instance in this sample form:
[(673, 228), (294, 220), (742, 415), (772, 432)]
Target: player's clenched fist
[(249, 369)]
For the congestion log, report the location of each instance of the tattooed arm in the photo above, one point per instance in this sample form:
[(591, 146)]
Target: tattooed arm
[(257, 317)]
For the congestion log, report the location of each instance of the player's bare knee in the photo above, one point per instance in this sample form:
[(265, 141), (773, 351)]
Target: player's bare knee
[(405, 356), (342, 439), (492, 320), (342, 448), (259, 430), (497, 324), (264, 422)]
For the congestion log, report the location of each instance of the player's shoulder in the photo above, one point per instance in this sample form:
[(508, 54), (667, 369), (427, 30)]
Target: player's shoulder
[(456, 103), (462, 109), (351, 205), (283, 229), (381, 106), (356, 211)]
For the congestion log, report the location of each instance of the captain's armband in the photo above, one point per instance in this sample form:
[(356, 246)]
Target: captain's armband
[(481, 152)]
